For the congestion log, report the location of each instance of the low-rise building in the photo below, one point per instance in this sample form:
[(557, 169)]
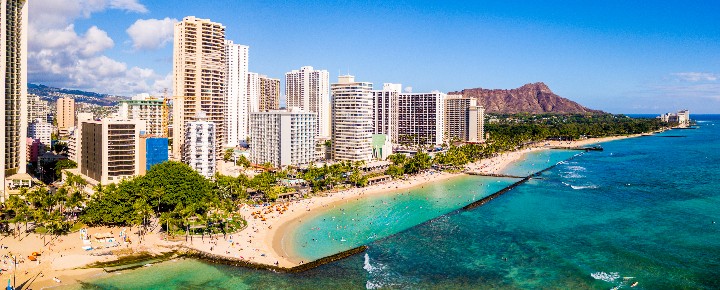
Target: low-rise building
[(153, 150)]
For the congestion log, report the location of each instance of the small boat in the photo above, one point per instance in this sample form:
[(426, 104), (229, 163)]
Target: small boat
[(634, 284), (343, 239)]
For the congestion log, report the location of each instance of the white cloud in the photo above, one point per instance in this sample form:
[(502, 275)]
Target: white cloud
[(696, 76), (61, 56), (151, 33)]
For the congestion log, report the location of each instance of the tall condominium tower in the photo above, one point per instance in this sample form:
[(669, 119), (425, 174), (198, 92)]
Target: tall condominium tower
[(464, 119), (308, 89), (237, 93), (269, 98), (199, 78), (65, 114), (421, 118), (385, 110), (37, 108), (253, 91), (13, 107), (352, 119)]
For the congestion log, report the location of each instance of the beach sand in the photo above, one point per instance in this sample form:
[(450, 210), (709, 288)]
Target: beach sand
[(261, 242)]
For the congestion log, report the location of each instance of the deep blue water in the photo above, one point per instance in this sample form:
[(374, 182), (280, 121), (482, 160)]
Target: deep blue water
[(647, 207)]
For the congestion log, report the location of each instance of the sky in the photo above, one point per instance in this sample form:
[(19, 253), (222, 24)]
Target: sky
[(617, 56)]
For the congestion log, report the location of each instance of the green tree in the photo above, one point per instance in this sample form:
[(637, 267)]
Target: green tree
[(243, 161), (63, 164), (227, 156)]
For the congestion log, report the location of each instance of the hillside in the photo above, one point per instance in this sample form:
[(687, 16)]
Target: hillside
[(536, 98), (52, 94)]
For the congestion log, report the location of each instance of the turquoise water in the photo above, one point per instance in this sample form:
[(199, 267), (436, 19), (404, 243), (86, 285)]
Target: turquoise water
[(643, 208)]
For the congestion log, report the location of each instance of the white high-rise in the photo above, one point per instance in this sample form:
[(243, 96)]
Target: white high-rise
[(237, 93), (283, 138), (352, 119), (199, 78), (253, 91), (143, 107), (421, 118), (199, 150), (40, 130), (385, 110), (308, 89), (13, 106)]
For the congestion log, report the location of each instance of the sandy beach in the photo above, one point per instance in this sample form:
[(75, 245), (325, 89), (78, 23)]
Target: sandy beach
[(261, 242)]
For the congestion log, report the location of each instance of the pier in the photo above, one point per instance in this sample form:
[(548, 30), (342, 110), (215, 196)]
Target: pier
[(493, 174), (591, 148)]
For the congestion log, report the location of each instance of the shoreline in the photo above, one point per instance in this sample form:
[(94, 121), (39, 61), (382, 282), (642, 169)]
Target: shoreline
[(261, 242)]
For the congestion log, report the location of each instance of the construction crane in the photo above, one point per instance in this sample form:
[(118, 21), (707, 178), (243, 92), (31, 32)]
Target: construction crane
[(165, 113)]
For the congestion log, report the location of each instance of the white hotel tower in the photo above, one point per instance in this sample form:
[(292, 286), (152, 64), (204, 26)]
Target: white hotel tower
[(352, 119), (199, 149), (237, 93), (283, 137), (308, 89)]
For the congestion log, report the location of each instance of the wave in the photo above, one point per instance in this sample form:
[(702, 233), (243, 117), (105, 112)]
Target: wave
[(378, 278), (572, 174), (576, 168), (607, 277), (584, 187)]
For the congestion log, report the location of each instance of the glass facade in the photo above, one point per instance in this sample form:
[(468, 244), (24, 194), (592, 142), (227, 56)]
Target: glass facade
[(156, 151)]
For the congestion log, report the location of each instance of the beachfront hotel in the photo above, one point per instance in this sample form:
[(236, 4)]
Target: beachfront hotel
[(307, 89), (385, 110), (109, 150), (237, 93), (199, 150), (143, 107), (65, 115), (464, 119), (352, 119), (13, 107), (421, 118), (283, 137), (199, 79)]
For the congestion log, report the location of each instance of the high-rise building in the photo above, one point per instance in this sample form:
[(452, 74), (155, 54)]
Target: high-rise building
[(283, 138), (253, 92), (37, 108), (308, 89), (199, 79), (13, 107), (143, 107), (65, 114), (110, 150), (40, 130), (269, 98), (464, 119), (199, 151), (385, 110), (421, 118), (237, 93), (352, 119), (74, 151)]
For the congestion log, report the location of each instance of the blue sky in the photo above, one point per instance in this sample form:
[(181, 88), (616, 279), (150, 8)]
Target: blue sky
[(616, 56)]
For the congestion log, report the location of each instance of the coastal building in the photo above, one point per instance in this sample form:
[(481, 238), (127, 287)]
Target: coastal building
[(65, 115), (199, 151), (237, 93), (110, 150), (253, 88), (385, 110), (13, 112), (153, 150), (283, 137), (40, 130), (199, 79), (682, 118), (269, 98), (75, 137), (307, 89), (381, 146), (38, 108), (464, 119), (352, 119), (146, 108), (421, 118)]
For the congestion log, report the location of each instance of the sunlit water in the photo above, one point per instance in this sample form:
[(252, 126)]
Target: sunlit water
[(643, 208)]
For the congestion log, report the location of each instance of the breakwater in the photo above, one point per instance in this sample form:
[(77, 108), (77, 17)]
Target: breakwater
[(493, 174), (230, 261)]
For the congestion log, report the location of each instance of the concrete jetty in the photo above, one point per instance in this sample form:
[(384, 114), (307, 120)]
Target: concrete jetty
[(493, 174)]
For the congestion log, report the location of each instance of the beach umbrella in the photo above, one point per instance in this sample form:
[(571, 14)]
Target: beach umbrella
[(8, 286)]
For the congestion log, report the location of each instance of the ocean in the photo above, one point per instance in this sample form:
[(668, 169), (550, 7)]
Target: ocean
[(644, 210)]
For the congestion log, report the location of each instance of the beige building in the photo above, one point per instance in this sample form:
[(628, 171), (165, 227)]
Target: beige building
[(307, 89), (269, 98), (352, 119), (13, 107), (110, 150), (199, 78), (65, 115), (464, 119)]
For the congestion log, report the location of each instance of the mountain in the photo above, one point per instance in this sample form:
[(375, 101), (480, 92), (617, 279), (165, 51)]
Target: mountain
[(536, 98), (52, 94)]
